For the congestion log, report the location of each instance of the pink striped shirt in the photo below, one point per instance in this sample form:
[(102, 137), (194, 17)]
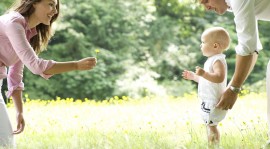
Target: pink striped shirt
[(16, 51)]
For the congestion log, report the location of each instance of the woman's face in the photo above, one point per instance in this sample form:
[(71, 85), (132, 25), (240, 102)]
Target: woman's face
[(44, 11)]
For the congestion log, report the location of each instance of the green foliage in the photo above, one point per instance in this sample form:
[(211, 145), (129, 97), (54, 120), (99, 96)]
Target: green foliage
[(109, 26), (4, 5), (129, 34)]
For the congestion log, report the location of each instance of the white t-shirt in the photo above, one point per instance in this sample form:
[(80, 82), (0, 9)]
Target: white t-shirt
[(209, 91), (246, 16)]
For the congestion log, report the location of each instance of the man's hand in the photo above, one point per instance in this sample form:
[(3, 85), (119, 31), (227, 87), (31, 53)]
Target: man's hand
[(227, 100), (20, 124)]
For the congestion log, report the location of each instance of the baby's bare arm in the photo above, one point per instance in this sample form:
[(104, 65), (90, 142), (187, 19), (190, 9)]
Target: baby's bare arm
[(218, 74)]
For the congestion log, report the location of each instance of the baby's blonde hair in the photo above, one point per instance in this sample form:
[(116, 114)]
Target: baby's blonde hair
[(218, 35)]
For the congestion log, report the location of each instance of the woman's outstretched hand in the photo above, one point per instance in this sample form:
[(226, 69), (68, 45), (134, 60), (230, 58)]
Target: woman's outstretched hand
[(86, 63)]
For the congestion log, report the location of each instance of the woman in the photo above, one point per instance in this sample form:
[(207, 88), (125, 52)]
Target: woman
[(24, 33)]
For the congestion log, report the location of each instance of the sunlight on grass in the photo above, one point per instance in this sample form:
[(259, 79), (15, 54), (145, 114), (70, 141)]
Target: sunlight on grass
[(123, 123)]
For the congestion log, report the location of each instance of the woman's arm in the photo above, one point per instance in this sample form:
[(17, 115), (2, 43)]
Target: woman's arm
[(60, 67), (19, 42), (17, 99)]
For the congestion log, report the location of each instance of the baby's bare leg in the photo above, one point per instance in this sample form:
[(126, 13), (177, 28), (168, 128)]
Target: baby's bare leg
[(213, 135)]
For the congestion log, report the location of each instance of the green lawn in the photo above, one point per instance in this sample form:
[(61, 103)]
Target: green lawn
[(148, 123)]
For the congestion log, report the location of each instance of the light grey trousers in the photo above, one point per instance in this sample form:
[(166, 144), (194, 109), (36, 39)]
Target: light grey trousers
[(6, 136)]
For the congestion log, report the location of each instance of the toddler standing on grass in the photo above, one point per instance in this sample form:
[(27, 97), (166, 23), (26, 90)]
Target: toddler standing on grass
[(212, 79)]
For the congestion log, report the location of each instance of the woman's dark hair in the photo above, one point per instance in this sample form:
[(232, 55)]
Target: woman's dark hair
[(40, 41)]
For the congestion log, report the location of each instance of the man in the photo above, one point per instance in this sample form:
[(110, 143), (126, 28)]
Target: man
[(246, 16)]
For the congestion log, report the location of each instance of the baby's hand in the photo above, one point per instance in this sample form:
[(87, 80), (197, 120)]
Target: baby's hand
[(199, 71), (86, 63), (188, 75)]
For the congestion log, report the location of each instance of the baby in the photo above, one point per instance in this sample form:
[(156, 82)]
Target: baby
[(212, 79)]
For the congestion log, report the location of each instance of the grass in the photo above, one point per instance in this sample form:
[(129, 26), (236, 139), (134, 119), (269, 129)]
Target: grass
[(147, 123)]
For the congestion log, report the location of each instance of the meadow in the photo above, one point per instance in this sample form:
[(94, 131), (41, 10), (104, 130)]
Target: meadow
[(146, 123)]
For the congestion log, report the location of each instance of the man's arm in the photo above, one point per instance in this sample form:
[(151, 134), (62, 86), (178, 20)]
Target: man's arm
[(243, 67)]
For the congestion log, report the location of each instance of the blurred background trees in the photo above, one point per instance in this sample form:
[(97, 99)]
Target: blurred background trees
[(144, 47)]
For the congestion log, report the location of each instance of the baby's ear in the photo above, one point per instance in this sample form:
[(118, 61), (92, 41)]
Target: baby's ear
[(216, 45)]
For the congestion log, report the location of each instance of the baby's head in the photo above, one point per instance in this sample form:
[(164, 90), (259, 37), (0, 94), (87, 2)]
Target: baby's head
[(215, 40)]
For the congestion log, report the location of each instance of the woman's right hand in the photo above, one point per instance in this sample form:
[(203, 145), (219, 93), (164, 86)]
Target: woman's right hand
[(20, 124), (86, 63)]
